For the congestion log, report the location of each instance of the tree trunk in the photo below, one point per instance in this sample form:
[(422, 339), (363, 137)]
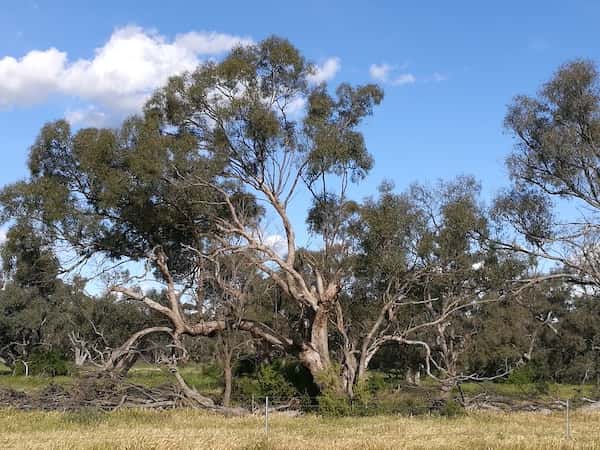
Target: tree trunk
[(228, 378), (314, 354), (363, 365), (319, 336), (81, 356), (124, 357), (349, 374), (125, 363)]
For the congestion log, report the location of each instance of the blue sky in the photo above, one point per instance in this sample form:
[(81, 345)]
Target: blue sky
[(448, 68)]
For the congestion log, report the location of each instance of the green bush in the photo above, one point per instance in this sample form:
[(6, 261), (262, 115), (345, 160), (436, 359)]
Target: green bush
[(521, 376), (269, 381), (272, 382), (332, 401), (376, 382), (45, 363), (334, 404)]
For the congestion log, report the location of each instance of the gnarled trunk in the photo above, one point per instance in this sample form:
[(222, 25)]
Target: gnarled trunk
[(349, 374), (314, 354)]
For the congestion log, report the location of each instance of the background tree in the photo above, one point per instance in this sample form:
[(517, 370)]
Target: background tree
[(555, 163)]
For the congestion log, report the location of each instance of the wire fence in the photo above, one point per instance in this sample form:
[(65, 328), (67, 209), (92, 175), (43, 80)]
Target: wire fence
[(411, 405), (266, 407)]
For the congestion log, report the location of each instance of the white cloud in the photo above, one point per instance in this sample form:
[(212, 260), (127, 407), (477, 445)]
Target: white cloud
[(2, 235), (119, 77), (404, 78), (209, 43), (383, 74), (325, 71), (380, 72), (89, 116), (295, 107), (277, 242), (31, 78)]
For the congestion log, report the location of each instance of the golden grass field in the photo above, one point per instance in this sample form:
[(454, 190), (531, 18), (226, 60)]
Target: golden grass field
[(186, 429)]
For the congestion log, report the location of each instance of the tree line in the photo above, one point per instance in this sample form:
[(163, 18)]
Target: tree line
[(429, 280)]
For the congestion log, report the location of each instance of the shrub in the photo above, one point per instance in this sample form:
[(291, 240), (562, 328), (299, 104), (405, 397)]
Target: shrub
[(334, 404), (332, 401), (521, 376), (45, 363), (272, 382), (269, 381), (376, 382)]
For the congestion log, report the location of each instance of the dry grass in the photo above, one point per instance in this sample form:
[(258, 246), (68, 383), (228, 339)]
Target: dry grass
[(185, 429)]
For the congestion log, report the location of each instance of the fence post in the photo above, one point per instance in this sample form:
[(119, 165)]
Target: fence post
[(568, 424), (267, 416)]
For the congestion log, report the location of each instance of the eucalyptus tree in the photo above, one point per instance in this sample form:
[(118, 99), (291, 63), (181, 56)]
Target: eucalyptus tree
[(555, 163), (278, 134), (434, 243), (28, 296)]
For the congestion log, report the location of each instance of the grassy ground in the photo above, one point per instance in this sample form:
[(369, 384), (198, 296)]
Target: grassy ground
[(543, 391), (184, 429), (197, 376)]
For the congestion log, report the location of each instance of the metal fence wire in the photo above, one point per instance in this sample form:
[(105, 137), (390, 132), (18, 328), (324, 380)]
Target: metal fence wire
[(266, 407)]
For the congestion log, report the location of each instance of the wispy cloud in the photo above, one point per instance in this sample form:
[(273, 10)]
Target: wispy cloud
[(404, 78), (438, 77), (386, 73), (89, 116)]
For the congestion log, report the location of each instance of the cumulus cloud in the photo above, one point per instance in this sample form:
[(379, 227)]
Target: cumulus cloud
[(119, 76), (31, 78), (380, 72), (325, 71)]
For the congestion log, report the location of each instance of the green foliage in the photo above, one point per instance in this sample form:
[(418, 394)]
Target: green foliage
[(334, 404), (268, 381), (272, 382), (45, 363), (451, 408), (522, 376), (332, 400), (376, 382)]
